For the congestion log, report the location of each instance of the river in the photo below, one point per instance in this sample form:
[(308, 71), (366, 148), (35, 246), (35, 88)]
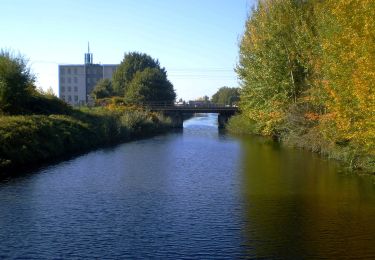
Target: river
[(194, 194)]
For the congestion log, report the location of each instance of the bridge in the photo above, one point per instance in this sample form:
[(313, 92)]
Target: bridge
[(175, 112)]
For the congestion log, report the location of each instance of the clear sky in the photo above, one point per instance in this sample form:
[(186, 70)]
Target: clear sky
[(195, 40)]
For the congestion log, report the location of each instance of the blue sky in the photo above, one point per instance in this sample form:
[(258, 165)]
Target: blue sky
[(195, 40)]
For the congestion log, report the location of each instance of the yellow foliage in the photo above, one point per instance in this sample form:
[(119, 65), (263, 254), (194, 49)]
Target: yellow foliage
[(349, 68), (309, 67)]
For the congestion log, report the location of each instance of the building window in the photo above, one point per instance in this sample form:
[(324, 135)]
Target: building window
[(62, 80), (62, 71), (63, 97), (75, 98), (69, 98), (75, 89), (69, 80), (69, 71), (62, 89), (69, 89), (75, 80), (75, 71)]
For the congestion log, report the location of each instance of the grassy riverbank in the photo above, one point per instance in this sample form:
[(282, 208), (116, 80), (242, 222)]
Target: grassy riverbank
[(32, 139)]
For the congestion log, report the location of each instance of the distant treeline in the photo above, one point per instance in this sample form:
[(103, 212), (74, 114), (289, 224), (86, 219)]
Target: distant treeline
[(307, 70)]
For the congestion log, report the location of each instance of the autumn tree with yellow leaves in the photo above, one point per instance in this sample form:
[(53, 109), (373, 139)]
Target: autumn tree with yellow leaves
[(307, 71), (348, 56)]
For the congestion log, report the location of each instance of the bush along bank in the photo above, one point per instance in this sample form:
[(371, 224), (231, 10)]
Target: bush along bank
[(33, 139)]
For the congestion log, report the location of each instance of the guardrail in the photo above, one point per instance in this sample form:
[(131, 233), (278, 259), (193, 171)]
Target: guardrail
[(159, 104)]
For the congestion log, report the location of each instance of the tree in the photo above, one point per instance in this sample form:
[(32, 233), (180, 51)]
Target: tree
[(348, 61), (50, 92), (307, 75), (150, 85), (103, 89), (132, 63), (226, 96), (139, 78), (205, 99), (275, 66), (16, 82)]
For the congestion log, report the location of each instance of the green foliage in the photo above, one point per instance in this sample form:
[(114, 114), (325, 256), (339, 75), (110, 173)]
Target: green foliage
[(49, 128), (239, 124), (205, 99), (103, 89), (18, 94), (29, 139), (46, 104), (274, 63), (307, 76), (16, 82), (132, 63), (36, 138), (226, 96), (150, 85), (141, 79)]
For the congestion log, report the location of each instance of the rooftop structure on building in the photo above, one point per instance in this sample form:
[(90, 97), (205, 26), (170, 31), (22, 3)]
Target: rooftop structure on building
[(77, 81)]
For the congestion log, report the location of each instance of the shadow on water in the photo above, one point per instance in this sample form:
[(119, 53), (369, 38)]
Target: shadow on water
[(30, 169), (299, 206)]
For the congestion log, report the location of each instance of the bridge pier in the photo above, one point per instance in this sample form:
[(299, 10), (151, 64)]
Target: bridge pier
[(222, 119), (177, 119)]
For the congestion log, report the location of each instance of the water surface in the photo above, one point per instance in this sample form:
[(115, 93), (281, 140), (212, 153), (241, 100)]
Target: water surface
[(196, 194)]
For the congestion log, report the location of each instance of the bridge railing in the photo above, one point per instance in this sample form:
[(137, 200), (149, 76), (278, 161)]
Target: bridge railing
[(168, 104), (157, 104)]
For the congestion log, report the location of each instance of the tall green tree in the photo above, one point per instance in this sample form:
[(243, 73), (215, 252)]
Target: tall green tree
[(226, 96), (274, 66), (16, 82), (150, 85), (103, 89), (132, 63)]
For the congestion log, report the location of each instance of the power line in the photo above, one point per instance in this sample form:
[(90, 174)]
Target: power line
[(231, 69)]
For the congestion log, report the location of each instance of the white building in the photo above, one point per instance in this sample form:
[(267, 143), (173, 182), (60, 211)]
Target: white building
[(76, 82)]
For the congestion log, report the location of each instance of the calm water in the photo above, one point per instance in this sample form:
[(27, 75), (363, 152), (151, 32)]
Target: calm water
[(196, 194)]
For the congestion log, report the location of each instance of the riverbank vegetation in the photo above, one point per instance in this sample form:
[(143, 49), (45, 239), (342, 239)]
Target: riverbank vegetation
[(307, 77), (30, 139), (36, 127)]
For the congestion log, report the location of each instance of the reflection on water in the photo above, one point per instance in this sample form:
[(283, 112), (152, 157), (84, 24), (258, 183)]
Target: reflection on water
[(194, 194), (300, 206)]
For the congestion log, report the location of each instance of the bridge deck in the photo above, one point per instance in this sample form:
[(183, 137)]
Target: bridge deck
[(192, 109)]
